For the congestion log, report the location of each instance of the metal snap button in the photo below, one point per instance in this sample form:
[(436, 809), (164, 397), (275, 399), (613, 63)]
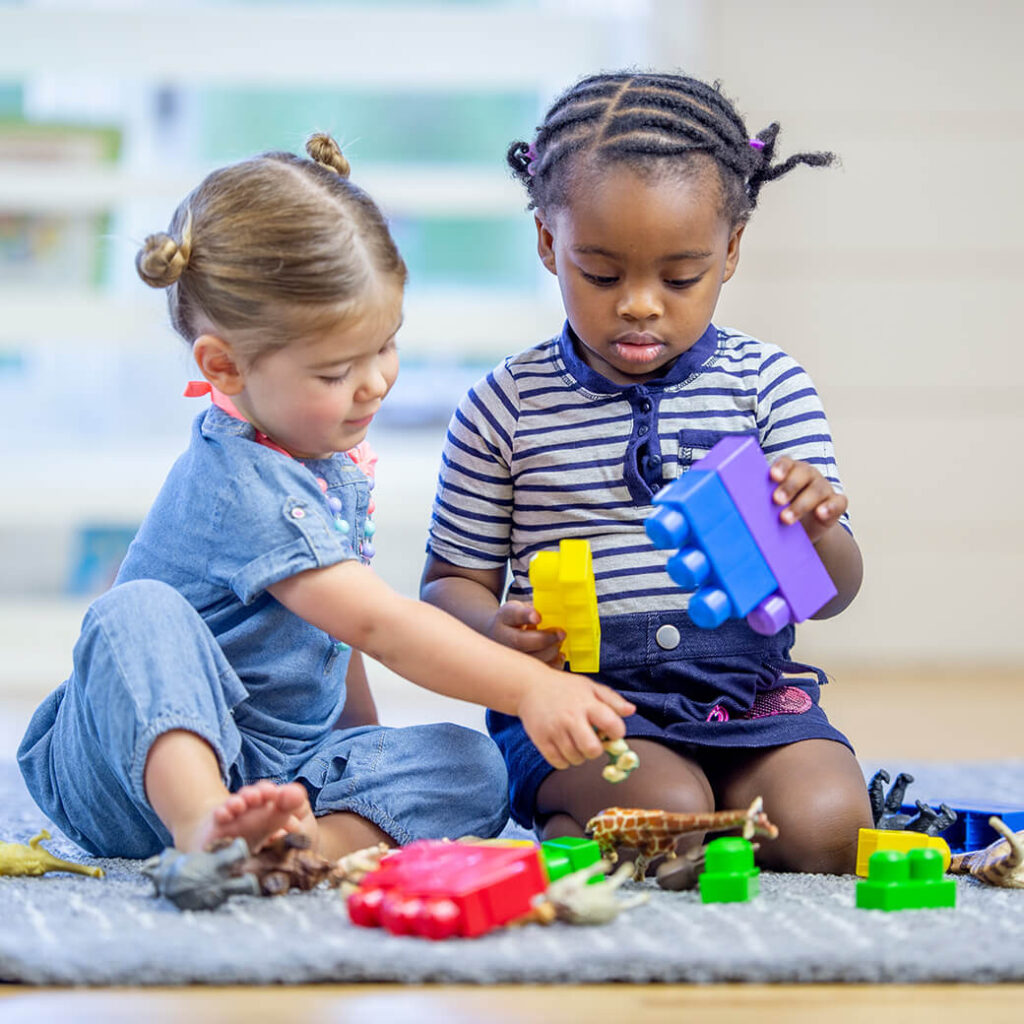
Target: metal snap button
[(667, 637)]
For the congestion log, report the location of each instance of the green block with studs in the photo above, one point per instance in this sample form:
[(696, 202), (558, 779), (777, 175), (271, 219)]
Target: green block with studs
[(729, 874), (906, 881), (568, 854)]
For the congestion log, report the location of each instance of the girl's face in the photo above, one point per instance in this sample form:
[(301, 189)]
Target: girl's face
[(640, 262), (318, 396)]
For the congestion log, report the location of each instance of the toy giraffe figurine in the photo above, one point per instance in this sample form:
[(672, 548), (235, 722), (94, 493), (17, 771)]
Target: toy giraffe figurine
[(1000, 863), (17, 859), (653, 833)]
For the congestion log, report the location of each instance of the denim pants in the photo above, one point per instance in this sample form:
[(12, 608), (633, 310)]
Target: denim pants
[(147, 663)]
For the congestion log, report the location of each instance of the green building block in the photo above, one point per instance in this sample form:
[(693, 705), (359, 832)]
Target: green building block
[(570, 853), (906, 881), (729, 873)]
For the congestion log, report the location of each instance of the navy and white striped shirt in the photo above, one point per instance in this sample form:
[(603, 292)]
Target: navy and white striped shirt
[(544, 448)]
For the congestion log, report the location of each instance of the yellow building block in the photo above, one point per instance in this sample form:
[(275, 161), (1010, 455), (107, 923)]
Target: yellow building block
[(565, 594), (871, 839)]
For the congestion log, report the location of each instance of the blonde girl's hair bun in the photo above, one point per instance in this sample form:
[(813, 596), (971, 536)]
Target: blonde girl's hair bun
[(162, 259), (326, 152)]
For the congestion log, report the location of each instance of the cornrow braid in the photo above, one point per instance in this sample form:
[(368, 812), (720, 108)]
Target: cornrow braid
[(641, 119)]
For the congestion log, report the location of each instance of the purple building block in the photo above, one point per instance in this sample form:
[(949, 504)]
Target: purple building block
[(804, 584)]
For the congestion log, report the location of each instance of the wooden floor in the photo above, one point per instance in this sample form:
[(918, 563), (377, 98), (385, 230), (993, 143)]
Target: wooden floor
[(921, 713), (595, 1004)]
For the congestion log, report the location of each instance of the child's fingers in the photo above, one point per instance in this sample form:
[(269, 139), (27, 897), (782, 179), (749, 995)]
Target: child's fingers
[(518, 614), (542, 643), (584, 740), (614, 700), (608, 724)]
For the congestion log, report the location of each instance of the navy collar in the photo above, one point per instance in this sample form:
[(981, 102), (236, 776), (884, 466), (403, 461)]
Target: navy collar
[(684, 367)]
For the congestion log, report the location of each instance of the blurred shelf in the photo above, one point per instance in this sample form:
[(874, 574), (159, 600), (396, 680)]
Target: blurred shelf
[(470, 323), (421, 46), (409, 190)]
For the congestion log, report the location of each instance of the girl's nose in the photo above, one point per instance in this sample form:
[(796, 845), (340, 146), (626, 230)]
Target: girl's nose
[(375, 384), (639, 303)]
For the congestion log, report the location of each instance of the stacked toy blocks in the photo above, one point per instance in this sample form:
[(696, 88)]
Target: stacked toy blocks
[(735, 554), (906, 881), (729, 874), (436, 889), (565, 594), (871, 840)]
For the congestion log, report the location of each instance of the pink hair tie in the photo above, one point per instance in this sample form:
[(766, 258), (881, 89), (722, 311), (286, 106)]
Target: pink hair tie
[(531, 155), (756, 144)]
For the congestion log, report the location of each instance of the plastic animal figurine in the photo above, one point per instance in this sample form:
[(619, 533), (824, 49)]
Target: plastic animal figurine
[(202, 881), (621, 760), (1001, 863), (576, 901), (17, 859), (654, 833), (886, 808)]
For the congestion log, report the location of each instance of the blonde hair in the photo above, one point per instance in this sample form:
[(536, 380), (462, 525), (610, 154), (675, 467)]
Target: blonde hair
[(270, 249)]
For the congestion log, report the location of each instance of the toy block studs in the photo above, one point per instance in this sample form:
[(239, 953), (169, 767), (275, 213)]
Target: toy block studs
[(741, 560), (729, 874), (906, 881)]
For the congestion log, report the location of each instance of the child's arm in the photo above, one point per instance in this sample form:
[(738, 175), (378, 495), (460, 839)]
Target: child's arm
[(474, 595), (360, 707), (559, 711), (807, 497)]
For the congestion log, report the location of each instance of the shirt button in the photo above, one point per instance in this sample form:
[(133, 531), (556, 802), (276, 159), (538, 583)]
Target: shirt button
[(642, 429), (667, 637), (645, 405)]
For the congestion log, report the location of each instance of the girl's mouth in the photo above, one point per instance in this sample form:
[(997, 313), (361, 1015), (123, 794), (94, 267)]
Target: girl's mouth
[(356, 424), (638, 349)]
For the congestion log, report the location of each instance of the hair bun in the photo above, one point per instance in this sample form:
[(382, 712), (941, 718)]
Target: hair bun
[(326, 152), (161, 259)]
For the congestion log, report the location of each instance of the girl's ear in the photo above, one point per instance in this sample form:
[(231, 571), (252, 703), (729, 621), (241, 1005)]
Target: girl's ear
[(217, 363), (545, 244), (732, 254)]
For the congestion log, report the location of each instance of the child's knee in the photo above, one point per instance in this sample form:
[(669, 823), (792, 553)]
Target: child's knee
[(822, 836), (476, 779)]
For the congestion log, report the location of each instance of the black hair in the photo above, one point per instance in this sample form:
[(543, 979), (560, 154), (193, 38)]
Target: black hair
[(642, 120)]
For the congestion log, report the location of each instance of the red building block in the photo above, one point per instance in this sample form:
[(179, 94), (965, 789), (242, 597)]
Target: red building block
[(436, 889)]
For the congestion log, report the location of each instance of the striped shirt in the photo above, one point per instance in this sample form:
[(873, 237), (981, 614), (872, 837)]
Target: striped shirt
[(544, 448)]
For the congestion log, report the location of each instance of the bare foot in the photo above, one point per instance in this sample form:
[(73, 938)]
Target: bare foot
[(256, 813)]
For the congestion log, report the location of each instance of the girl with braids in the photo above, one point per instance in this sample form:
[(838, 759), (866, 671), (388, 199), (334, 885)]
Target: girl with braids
[(208, 697), (641, 186)]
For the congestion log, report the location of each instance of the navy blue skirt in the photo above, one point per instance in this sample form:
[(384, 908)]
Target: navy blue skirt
[(728, 687)]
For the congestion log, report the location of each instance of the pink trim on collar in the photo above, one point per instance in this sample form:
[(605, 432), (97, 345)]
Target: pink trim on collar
[(362, 455)]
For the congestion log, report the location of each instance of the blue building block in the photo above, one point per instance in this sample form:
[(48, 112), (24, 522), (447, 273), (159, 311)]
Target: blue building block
[(742, 560), (971, 830), (721, 561)]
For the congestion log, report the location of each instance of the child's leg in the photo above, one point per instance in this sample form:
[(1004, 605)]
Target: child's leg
[(145, 666), (814, 791), (184, 786), (665, 780), (376, 784)]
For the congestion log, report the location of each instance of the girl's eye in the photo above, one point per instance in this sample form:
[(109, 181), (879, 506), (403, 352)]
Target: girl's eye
[(337, 379), (599, 279), (688, 282)]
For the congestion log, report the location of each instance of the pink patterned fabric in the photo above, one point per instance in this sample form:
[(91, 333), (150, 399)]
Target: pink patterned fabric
[(783, 700)]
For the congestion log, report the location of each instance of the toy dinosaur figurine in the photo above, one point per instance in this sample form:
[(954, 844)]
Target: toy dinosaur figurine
[(654, 833), (16, 859), (886, 808), (1000, 863)]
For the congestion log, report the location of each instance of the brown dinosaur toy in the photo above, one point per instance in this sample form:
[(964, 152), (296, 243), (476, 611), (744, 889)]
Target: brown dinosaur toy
[(17, 859), (654, 833)]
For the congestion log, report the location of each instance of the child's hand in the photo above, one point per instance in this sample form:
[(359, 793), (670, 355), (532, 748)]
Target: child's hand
[(808, 497), (568, 718), (515, 625)]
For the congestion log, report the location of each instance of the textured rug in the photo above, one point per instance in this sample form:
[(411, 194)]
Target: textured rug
[(64, 929)]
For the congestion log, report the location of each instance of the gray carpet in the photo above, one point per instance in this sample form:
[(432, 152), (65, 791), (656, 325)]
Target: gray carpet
[(63, 929)]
